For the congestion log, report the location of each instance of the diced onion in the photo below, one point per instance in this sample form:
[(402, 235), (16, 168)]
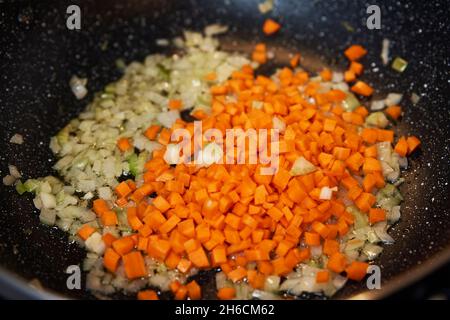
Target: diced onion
[(265, 6), (167, 119), (9, 180), (257, 104), (326, 193), (394, 214), (162, 42), (215, 29), (272, 283), (385, 51), (377, 119), (393, 99), (264, 295), (172, 154), (278, 124), (381, 231), (14, 171), (95, 243), (415, 98), (47, 217), (212, 153), (301, 167), (78, 86), (377, 105), (48, 200), (16, 138)]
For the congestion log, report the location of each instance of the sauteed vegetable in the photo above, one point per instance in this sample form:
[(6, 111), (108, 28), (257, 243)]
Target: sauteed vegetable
[(149, 219)]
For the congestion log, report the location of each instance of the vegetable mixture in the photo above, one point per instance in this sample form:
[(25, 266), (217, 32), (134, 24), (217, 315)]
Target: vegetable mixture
[(149, 224)]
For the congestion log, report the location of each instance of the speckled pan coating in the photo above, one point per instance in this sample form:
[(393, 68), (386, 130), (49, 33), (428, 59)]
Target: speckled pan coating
[(39, 55)]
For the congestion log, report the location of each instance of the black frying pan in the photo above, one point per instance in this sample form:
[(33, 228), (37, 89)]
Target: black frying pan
[(39, 55)]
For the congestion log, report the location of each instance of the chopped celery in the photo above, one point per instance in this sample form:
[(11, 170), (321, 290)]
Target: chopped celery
[(399, 64), (20, 188), (133, 164), (165, 73), (31, 185)]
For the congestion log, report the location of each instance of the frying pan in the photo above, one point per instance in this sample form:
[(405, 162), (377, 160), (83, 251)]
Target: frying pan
[(39, 55)]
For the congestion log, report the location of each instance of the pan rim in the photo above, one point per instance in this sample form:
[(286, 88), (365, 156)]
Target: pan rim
[(16, 287)]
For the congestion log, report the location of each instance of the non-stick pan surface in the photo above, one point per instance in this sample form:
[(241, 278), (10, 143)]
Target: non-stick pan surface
[(39, 55)]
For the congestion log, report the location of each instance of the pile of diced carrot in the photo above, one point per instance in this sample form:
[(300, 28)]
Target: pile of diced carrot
[(228, 215)]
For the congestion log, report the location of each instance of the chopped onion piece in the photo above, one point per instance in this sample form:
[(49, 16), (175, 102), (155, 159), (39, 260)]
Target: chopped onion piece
[(78, 86), (351, 102), (257, 104), (377, 105), (272, 283), (167, 119), (394, 214), (265, 6), (95, 243), (264, 295), (381, 231), (301, 167), (393, 99), (14, 171), (47, 217), (372, 251), (9, 180), (337, 77), (48, 200), (172, 154), (212, 153), (385, 51), (415, 98), (215, 29), (16, 138), (278, 124), (162, 42), (377, 119), (326, 193)]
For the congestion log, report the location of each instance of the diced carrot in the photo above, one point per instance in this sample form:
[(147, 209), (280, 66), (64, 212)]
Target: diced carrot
[(357, 270), (152, 132), (194, 290), (111, 260), (123, 245), (270, 26), (295, 60), (355, 52), (109, 218), (413, 143), (401, 147), (175, 104), (394, 112), (85, 231), (147, 295), (337, 262), (123, 189), (322, 276), (362, 88), (134, 265), (100, 206), (376, 215), (226, 293), (124, 144)]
